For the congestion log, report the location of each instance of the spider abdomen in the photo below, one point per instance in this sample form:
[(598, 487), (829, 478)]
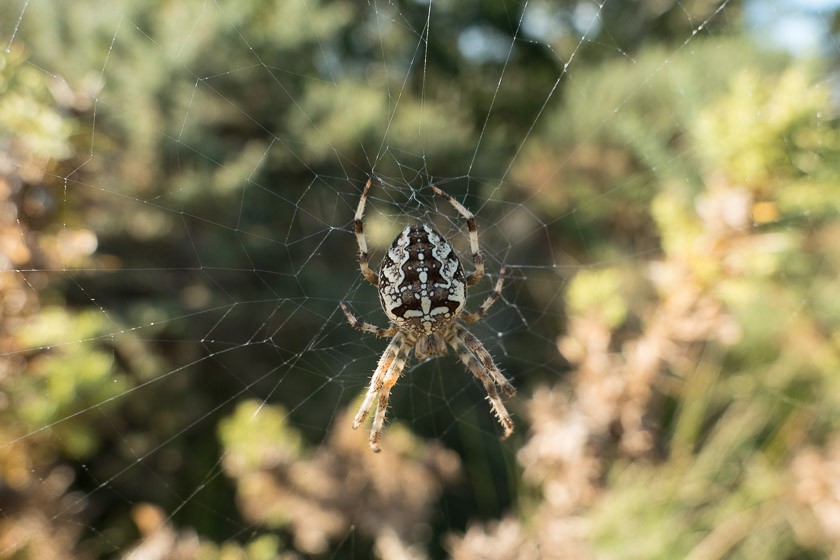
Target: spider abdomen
[(421, 281)]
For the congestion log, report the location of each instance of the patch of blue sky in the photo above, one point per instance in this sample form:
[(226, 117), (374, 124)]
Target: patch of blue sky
[(802, 27)]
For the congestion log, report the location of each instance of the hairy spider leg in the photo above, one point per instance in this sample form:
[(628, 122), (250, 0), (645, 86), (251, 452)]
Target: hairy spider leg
[(364, 258), (390, 380), (478, 260), (386, 362), (476, 347), (474, 365), (491, 299), (367, 327)]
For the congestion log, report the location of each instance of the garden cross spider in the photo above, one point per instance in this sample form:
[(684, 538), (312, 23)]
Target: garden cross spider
[(423, 290)]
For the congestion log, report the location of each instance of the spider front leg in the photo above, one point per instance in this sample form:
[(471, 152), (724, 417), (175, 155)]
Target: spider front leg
[(386, 362), (477, 369), (475, 346), (388, 382)]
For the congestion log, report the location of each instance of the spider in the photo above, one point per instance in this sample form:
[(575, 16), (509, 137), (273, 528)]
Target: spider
[(423, 290)]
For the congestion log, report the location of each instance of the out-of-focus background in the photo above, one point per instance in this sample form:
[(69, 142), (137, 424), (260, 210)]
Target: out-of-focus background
[(178, 179)]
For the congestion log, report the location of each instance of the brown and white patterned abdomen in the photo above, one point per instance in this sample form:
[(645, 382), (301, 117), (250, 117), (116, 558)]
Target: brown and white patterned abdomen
[(421, 281)]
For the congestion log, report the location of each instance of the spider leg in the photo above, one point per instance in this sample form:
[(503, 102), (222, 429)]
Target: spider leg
[(385, 364), (360, 239), (390, 380), (478, 260), (475, 346), (480, 371), (367, 327), (491, 299)]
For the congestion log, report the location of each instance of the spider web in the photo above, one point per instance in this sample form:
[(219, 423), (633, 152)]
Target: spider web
[(179, 199)]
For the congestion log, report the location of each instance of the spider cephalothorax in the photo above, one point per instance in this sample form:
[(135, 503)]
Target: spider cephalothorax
[(423, 290)]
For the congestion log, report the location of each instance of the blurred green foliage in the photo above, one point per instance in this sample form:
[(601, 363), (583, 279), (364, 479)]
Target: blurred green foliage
[(63, 380), (597, 292), (264, 547), (756, 237), (254, 431), (27, 112)]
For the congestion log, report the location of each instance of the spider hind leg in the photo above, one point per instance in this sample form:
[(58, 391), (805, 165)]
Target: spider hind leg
[(359, 230), (478, 260)]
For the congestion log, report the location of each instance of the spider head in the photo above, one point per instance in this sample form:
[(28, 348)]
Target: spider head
[(429, 346), (421, 281)]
